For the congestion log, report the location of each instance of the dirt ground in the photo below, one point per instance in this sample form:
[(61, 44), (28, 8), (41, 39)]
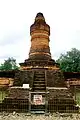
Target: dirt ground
[(28, 116)]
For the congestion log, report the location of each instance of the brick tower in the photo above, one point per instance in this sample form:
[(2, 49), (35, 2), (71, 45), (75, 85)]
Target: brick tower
[(40, 32), (39, 54)]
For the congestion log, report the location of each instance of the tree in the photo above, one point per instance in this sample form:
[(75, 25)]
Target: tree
[(70, 62), (9, 64)]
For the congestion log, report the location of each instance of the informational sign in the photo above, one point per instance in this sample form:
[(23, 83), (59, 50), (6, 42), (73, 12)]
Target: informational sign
[(38, 99)]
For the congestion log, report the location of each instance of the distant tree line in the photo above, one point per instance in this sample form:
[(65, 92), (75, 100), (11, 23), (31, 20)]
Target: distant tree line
[(70, 61), (9, 64)]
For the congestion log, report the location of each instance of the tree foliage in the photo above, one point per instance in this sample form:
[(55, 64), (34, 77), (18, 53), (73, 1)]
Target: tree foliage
[(70, 62), (9, 64)]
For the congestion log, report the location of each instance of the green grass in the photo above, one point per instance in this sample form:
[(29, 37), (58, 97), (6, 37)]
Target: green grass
[(3, 94), (78, 97)]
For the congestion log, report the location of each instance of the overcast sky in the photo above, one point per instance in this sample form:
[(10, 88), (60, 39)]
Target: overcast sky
[(16, 16)]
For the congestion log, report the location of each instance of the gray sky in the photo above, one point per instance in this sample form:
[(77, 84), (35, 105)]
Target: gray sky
[(16, 16)]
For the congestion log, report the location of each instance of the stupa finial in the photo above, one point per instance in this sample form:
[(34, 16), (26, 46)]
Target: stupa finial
[(40, 16)]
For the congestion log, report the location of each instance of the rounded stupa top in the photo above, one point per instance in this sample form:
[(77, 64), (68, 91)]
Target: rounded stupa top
[(39, 24), (40, 16)]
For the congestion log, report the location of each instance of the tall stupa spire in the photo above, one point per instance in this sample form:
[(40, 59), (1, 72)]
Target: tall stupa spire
[(39, 32), (39, 54)]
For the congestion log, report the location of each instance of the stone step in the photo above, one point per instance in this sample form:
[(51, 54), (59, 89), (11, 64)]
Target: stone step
[(39, 84), (36, 78), (40, 72), (39, 79), (39, 75), (39, 88)]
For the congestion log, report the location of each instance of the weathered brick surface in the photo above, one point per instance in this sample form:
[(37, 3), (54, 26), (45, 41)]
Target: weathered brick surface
[(24, 77), (6, 82), (54, 78), (17, 100), (18, 93), (61, 100)]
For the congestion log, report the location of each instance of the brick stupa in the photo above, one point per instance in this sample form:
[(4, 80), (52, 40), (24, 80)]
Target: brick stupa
[(39, 55), (47, 90)]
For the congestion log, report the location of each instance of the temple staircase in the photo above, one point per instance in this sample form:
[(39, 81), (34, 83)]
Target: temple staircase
[(39, 83), (39, 89)]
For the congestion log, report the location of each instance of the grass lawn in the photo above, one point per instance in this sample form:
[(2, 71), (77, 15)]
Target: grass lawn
[(78, 97), (3, 94)]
